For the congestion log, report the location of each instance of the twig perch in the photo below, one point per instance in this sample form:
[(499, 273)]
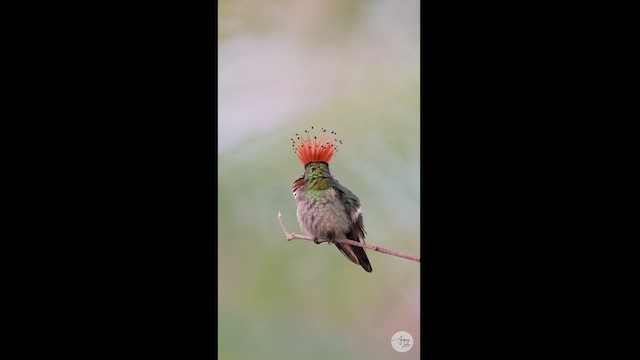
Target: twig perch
[(291, 236)]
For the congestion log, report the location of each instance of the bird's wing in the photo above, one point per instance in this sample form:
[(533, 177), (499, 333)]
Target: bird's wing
[(352, 207), (356, 231)]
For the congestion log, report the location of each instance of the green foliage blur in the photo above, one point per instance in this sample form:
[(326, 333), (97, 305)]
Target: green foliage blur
[(285, 66)]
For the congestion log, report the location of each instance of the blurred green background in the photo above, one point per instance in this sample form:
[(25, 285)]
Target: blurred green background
[(351, 67)]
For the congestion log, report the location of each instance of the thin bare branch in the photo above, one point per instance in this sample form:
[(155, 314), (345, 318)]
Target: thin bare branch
[(291, 236)]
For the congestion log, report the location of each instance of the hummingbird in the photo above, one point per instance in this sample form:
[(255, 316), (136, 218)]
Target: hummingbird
[(325, 208)]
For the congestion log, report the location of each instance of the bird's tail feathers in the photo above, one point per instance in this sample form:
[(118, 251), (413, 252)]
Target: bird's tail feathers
[(356, 254)]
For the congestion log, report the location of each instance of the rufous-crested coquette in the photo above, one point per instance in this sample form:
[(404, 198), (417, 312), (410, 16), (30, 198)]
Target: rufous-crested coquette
[(326, 209)]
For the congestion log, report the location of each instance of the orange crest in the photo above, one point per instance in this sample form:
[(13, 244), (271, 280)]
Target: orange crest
[(316, 148)]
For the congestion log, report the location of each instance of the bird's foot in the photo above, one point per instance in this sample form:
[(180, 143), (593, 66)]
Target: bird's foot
[(315, 240)]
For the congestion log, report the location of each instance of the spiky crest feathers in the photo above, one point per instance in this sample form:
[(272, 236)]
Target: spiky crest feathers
[(316, 149)]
